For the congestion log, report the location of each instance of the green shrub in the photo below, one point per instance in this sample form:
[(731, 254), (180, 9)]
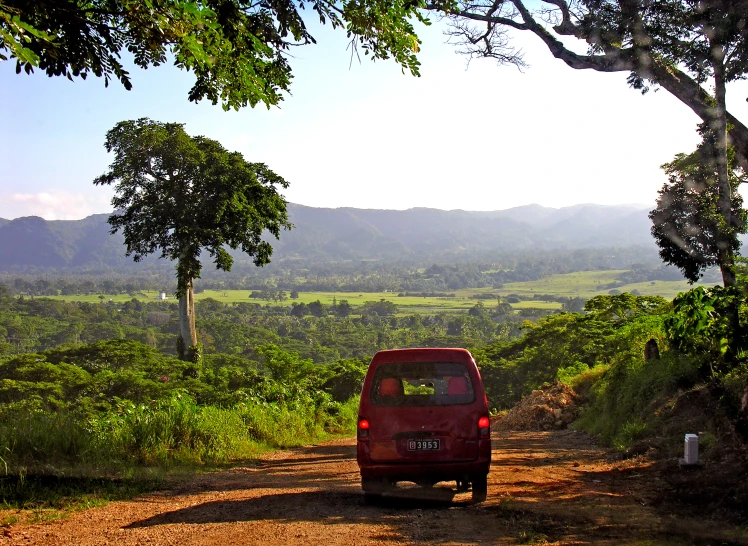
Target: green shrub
[(570, 373), (620, 401)]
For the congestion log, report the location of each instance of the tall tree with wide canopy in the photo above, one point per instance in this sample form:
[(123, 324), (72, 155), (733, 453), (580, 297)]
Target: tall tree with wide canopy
[(180, 195)]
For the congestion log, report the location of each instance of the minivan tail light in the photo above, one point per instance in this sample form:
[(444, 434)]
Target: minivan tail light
[(484, 425), (363, 428)]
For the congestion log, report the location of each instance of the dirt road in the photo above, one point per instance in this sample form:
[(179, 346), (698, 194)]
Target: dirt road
[(553, 487)]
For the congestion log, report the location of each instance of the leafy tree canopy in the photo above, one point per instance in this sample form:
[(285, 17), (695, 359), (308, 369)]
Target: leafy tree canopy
[(620, 306), (179, 194), (688, 225), (237, 49)]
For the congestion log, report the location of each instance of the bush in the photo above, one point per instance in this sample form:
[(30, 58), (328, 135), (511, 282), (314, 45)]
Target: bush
[(620, 401)]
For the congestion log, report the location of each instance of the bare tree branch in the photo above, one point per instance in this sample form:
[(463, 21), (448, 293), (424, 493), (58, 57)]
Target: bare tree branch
[(634, 56)]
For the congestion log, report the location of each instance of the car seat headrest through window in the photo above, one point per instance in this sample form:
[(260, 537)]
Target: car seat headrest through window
[(390, 386)]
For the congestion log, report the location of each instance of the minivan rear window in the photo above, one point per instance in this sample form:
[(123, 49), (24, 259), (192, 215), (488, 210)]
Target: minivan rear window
[(422, 384)]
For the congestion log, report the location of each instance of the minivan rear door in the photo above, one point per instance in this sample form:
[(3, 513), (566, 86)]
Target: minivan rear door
[(422, 412)]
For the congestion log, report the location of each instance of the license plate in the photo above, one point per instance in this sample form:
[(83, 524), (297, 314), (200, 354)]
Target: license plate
[(423, 445)]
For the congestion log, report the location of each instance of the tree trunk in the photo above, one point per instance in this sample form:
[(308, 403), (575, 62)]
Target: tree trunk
[(187, 332), (724, 202)]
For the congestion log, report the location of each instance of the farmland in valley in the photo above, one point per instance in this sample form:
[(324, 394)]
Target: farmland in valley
[(583, 284)]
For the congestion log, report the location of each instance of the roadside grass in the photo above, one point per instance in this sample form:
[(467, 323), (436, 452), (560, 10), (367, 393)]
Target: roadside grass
[(583, 378), (621, 398), (61, 461)]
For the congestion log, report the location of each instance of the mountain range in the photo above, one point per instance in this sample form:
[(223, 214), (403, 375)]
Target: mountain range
[(326, 234)]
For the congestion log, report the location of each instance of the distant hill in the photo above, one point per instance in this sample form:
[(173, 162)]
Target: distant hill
[(323, 234), (368, 233)]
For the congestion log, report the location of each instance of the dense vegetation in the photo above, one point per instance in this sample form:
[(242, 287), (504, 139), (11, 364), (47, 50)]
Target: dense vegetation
[(115, 404), (97, 388), (314, 331)]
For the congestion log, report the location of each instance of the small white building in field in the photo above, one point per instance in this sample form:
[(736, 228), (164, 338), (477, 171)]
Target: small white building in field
[(162, 296)]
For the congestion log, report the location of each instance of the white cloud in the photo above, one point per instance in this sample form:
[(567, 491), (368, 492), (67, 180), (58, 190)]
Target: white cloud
[(53, 204)]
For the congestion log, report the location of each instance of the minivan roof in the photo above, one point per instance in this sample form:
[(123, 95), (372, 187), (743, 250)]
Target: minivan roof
[(449, 354)]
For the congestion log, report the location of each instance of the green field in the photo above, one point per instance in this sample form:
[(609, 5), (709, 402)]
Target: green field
[(406, 304), (584, 284)]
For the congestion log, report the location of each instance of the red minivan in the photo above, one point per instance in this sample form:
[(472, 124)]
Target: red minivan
[(423, 418)]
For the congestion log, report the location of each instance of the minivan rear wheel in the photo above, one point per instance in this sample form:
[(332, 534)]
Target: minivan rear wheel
[(480, 488)]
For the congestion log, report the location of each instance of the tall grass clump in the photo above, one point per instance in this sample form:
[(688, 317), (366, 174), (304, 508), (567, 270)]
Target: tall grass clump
[(170, 432), (164, 433), (179, 431), (34, 438)]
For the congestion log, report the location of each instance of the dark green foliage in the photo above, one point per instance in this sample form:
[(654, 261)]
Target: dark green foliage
[(346, 377), (237, 49), (573, 305), (316, 309), (706, 330), (88, 377), (614, 328), (503, 309), (478, 310), (342, 309), (688, 226), (380, 308), (40, 324), (118, 404), (94, 377), (282, 366), (712, 322), (621, 306)]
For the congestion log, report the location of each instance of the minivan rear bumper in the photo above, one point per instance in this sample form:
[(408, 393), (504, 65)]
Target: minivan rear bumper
[(436, 471), (406, 471)]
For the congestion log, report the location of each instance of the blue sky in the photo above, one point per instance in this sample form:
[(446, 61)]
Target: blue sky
[(486, 137)]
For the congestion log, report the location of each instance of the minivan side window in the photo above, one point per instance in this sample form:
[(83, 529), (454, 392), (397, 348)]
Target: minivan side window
[(422, 384)]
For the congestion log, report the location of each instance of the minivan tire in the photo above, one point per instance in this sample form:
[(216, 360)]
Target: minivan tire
[(480, 488)]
